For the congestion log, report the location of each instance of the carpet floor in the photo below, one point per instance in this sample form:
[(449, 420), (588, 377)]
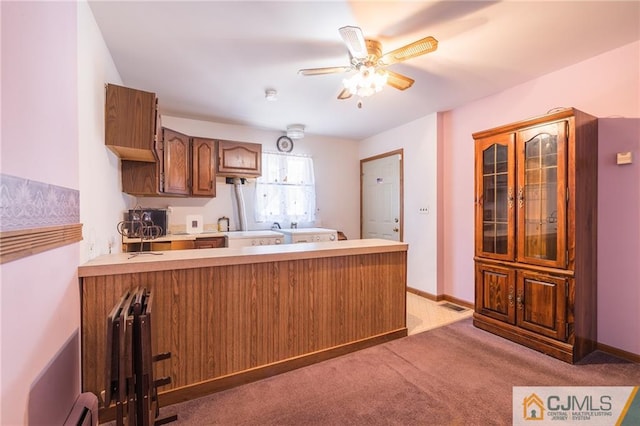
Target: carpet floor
[(452, 375)]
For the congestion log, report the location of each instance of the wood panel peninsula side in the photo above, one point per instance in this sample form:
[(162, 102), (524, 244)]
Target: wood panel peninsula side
[(230, 316)]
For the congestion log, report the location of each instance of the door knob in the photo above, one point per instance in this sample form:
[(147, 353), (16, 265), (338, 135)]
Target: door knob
[(395, 229)]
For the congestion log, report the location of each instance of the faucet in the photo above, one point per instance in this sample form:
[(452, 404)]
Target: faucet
[(275, 225)]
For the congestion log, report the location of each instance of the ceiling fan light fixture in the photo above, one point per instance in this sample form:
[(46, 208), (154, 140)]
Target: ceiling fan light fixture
[(295, 131), (367, 81)]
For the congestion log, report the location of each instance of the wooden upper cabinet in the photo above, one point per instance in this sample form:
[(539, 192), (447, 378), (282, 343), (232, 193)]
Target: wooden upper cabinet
[(131, 123), (176, 169), (239, 159), (185, 167), (203, 171), (140, 178)]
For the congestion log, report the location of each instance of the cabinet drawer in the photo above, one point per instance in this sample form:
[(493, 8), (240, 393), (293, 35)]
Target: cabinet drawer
[(182, 245), (212, 242)]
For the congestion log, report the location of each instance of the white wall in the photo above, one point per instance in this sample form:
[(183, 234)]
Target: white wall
[(39, 300), (419, 140), (101, 200), (336, 171)]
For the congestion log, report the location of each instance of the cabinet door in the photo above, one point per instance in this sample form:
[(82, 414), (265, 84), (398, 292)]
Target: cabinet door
[(176, 163), (495, 188), (140, 178), (130, 120), (542, 304), (542, 195), (239, 159), (495, 292), (203, 175)]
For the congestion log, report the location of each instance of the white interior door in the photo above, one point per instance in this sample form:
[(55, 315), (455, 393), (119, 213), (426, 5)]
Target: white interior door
[(381, 194)]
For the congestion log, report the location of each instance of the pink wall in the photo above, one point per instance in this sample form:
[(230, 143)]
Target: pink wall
[(607, 86), (39, 300), (619, 234)]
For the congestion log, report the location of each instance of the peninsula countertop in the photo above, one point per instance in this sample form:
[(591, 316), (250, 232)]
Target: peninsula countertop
[(122, 263)]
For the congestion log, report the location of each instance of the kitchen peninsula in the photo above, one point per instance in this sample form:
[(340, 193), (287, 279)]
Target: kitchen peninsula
[(234, 315)]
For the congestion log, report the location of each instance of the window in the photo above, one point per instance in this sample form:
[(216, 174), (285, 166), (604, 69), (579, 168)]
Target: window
[(286, 191)]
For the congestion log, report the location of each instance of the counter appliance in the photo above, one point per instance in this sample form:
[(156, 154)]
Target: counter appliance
[(308, 235), (139, 218), (253, 238)]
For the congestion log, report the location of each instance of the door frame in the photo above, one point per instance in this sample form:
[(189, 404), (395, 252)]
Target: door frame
[(399, 152)]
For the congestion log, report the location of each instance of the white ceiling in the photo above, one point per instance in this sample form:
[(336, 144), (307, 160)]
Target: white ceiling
[(213, 60)]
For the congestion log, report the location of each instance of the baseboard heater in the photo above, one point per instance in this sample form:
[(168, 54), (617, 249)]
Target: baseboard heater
[(84, 411)]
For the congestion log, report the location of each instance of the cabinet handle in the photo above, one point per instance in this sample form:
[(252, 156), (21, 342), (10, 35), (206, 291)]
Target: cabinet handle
[(520, 197), (519, 300), (510, 197), (510, 297)]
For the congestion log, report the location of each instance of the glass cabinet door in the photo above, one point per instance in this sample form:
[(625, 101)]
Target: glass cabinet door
[(495, 190), (542, 195)]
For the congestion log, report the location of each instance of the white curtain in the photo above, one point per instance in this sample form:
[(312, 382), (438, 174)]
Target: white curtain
[(286, 190)]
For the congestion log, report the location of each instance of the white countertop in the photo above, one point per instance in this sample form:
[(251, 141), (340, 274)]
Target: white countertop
[(182, 236), (113, 264)]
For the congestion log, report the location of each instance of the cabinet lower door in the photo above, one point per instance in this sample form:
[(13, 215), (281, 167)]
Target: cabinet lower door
[(495, 292), (542, 304)]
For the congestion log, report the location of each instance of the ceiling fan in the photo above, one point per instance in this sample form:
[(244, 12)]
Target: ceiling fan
[(366, 57)]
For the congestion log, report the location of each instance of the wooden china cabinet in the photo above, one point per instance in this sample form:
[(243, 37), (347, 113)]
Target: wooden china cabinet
[(536, 232)]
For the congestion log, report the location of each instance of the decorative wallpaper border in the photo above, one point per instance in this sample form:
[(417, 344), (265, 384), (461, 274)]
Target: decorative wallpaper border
[(35, 217), (27, 204)]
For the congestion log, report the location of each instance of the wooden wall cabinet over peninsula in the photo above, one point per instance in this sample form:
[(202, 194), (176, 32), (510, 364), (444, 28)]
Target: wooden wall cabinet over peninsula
[(536, 187), (185, 167), (131, 123), (239, 159)]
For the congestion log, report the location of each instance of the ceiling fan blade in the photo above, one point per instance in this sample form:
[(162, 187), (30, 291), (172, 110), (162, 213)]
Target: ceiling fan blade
[(325, 70), (345, 94), (417, 48), (399, 81), (355, 41)]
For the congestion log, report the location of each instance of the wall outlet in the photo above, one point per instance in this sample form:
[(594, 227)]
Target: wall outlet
[(423, 210)]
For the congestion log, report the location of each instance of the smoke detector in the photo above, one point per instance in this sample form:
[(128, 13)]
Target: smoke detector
[(271, 95)]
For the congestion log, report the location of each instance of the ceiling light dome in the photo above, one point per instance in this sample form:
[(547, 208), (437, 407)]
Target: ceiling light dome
[(295, 131)]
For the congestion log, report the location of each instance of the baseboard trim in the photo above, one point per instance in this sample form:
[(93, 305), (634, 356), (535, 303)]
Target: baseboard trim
[(424, 294), (441, 297), (629, 356)]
